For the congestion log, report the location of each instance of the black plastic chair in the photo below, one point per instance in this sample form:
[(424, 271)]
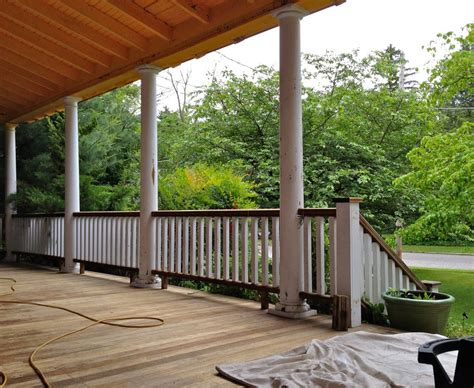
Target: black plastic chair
[(464, 374)]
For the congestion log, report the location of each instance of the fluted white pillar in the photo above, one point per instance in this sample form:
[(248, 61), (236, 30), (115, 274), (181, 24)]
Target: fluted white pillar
[(10, 186), (71, 182), (148, 178), (291, 166)]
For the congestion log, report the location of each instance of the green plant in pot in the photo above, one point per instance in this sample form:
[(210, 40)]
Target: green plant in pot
[(418, 310)]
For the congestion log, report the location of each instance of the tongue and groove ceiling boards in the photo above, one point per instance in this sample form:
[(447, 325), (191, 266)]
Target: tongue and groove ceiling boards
[(50, 49)]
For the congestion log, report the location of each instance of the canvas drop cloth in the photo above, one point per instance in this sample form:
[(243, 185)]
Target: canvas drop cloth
[(358, 359)]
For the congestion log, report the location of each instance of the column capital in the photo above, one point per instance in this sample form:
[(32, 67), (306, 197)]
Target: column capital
[(71, 100), (11, 126), (144, 69), (290, 10)]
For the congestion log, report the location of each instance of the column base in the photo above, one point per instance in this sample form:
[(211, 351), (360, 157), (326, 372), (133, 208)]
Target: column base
[(151, 281), (293, 311), (74, 268)]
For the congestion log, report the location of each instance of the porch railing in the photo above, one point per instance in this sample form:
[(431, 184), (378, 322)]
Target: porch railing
[(108, 238), (39, 234), (238, 247)]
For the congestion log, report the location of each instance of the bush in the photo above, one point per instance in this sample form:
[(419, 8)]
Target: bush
[(205, 187)]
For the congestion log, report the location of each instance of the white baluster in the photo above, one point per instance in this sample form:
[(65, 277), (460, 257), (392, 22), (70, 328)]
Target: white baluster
[(201, 247), (235, 249), (275, 251), (209, 248), (179, 244), (332, 255), (159, 257), (368, 262), (391, 274), (245, 249), (265, 251), (254, 248), (308, 264), (377, 278), (172, 236), (406, 282), (384, 279), (164, 243), (186, 245), (320, 258), (217, 247), (193, 246), (226, 247)]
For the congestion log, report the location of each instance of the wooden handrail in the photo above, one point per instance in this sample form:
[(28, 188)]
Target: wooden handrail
[(317, 212), (389, 251), (38, 215), (218, 213), (108, 214)]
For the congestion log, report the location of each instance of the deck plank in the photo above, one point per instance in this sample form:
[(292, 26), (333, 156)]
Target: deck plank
[(201, 330)]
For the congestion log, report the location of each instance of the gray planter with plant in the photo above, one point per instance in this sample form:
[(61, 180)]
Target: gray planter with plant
[(418, 310)]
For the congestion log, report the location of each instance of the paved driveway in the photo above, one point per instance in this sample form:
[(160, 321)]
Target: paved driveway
[(438, 260)]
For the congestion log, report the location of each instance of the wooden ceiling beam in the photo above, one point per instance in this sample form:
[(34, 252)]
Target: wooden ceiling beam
[(27, 74), (25, 83), (199, 12), (29, 65), (42, 28), (38, 57), (119, 30), (6, 84), (65, 55), (146, 19), (14, 80), (78, 28), (13, 97)]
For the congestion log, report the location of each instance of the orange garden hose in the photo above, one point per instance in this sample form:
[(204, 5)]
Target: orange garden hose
[(107, 321)]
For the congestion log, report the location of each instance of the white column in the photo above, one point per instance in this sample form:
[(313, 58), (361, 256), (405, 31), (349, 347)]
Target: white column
[(291, 166), (71, 182), (10, 186), (148, 178), (350, 281)]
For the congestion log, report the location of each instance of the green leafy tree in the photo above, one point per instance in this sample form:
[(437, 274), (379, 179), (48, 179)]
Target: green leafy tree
[(443, 167)]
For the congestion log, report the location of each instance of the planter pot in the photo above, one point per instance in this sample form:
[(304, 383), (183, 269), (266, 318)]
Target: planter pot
[(428, 316)]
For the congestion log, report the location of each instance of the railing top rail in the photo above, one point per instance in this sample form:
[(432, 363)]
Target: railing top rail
[(108, 214), (37, 215), (386, 248), (317, 212), (218, 213)]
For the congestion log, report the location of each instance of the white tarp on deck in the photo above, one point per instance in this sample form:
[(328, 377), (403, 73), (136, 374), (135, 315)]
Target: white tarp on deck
[(353, 360)]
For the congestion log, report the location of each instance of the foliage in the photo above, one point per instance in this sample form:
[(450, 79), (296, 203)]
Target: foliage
[(443, 167), (406, 294), (374, 313), (109, 158), (451, 81), (205, 187)]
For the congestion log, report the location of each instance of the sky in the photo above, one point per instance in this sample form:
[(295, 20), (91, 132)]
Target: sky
[(366, 25)]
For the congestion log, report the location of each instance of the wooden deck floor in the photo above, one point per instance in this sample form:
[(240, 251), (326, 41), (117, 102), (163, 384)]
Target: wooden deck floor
[(200, 331)]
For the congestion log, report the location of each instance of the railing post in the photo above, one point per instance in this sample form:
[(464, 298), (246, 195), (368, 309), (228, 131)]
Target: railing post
[(71, 183), (10, 186), (148, 179), (349, 257), (291, 305)]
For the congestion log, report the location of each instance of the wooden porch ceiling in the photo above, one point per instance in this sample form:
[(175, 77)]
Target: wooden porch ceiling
[(54, 48)]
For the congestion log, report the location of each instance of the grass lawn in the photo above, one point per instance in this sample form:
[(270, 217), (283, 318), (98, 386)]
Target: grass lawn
[(460, 284), (437, 249)]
